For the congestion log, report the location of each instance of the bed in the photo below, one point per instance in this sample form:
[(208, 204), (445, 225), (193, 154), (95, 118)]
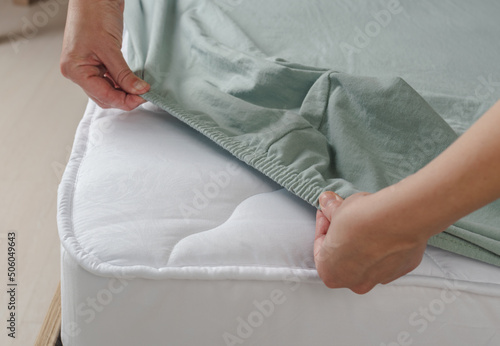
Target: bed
[(167, 239)]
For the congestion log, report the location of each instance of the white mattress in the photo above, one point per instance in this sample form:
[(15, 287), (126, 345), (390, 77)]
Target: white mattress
[(168, 240)]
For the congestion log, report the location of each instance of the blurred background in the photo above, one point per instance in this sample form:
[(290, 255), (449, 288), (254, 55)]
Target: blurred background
[(39, 113)]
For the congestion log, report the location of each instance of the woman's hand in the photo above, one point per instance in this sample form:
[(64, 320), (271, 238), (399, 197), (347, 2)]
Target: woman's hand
[(91, 55), (376, 238), (359, 245)]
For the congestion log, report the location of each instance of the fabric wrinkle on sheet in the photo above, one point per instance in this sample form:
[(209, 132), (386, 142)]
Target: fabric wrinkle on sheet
[(244, 77), (120, 223)]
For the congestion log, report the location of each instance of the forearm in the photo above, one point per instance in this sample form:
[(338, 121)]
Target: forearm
[(465, 177), (375, 238), (81, 16)]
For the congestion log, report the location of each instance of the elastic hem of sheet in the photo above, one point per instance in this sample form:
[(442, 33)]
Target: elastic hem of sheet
[(305, 189), (72, 246), (281, 174)]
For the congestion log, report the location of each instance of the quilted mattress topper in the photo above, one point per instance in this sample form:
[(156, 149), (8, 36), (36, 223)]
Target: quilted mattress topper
[(274, 84), (145, 196)]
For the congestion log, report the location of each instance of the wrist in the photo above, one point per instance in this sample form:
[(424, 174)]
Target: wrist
[(415, 208)]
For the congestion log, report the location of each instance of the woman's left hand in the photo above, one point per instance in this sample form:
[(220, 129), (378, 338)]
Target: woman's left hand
[(360, 244)]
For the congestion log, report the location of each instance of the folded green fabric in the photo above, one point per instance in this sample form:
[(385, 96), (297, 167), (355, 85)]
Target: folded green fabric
[(317, 95)]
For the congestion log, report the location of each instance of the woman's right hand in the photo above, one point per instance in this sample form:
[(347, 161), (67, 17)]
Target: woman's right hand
[(92, 58)]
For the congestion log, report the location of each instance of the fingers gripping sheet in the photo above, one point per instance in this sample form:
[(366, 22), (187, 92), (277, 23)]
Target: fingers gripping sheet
[(327, 95)]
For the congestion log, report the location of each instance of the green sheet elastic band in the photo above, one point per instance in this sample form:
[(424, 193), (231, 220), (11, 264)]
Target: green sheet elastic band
[(261, 79)]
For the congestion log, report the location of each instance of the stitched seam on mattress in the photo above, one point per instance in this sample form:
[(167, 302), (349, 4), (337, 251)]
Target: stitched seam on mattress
[(213, 228), (97, 261), (446, 273), (434, 278), (80, 248), (304, 189), (77, 175)]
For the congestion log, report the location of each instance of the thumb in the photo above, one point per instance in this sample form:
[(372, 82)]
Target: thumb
[(122, 75), (329, 202)]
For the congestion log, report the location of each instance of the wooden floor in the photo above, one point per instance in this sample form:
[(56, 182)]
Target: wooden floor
[(39, 112)]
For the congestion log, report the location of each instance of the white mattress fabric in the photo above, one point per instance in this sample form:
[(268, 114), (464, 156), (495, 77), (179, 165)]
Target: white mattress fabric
[(169, 240)]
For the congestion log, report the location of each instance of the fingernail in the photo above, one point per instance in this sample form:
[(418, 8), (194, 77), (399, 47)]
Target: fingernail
[(140, 85), (328, 197)]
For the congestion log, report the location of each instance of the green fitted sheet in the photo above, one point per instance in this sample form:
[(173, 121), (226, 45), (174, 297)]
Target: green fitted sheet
[(327, 95)]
